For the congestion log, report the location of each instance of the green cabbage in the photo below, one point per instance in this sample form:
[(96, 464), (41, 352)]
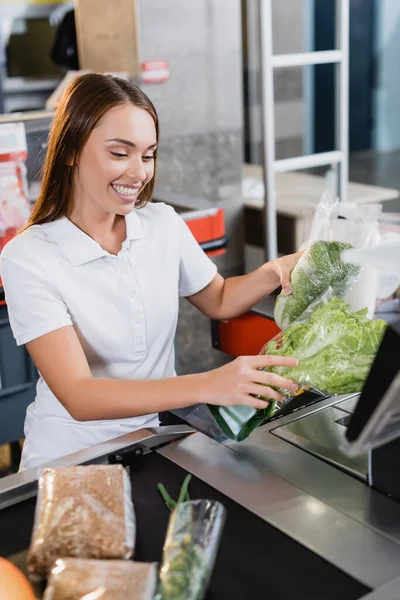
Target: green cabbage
[(320, 267), (335, 348)]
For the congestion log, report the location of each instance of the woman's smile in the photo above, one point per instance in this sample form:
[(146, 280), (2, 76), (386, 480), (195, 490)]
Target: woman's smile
[(126, 193)]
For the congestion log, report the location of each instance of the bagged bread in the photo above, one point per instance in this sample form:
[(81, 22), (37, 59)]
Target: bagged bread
[(83, 512), (81, 579)]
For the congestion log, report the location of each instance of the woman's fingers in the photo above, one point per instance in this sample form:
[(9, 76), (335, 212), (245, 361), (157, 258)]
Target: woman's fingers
[(268, 360), (278, 381), (285, 279), (266, 392), (260, 396)]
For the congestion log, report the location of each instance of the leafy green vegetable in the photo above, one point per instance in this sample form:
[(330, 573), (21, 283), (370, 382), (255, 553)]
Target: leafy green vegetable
[(320, 267), (170, 503), (335, 348), (237, 422), (194, 530)]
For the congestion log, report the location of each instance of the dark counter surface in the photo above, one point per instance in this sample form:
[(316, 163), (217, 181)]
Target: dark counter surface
[(255, 560)]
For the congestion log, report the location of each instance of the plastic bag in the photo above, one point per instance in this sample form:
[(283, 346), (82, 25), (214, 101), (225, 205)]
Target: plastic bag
[(320, 267), (190, 550), (334, 346), (81, 579), (356, 224), (82, 512), (200, 417), (237, 422)]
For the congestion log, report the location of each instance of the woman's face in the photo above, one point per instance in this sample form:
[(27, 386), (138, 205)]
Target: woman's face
[(117, 161)]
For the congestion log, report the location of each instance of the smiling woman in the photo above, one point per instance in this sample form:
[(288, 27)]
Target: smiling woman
[(92, 283), (90, 129)]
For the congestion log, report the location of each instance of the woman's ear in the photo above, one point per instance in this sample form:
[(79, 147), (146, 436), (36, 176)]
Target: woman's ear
[(70, 161)]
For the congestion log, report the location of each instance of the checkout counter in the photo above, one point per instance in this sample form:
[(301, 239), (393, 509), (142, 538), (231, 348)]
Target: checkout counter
[(302, 520)]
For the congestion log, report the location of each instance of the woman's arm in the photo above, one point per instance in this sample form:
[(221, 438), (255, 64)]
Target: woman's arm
[(228, 298), (62, 363)]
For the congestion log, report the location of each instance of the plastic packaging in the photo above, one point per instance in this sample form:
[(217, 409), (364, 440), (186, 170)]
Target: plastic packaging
[(84, 579), (360, 225), (335, 347), (82, 512), (385, 259), (320, 267), (355, 224), (237, 422), (190, 549)]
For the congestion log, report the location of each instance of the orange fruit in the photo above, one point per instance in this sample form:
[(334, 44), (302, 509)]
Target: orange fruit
[(13, 583)]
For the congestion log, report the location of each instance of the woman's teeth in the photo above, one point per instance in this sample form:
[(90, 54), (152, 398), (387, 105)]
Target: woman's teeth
[(124, 191)]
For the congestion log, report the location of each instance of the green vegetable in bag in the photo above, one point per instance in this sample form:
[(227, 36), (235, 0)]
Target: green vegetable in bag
[(320, 267), (191, 545), (335, 348), (237, 422)]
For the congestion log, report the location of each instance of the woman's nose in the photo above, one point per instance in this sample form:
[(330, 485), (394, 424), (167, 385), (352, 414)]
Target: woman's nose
[(136, 171)]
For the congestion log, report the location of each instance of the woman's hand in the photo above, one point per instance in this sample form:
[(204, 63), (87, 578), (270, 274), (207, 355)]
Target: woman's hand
[(235, 382), (283, 268)]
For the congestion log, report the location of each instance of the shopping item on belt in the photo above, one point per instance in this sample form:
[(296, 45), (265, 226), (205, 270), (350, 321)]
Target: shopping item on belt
[(82, 512), (82, 579)]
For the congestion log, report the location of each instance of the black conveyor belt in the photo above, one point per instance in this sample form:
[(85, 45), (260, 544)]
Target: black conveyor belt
[(255, 560)]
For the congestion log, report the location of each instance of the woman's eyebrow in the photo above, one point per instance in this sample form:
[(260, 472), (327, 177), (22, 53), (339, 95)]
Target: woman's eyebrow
[(122, 141), (131, 144)]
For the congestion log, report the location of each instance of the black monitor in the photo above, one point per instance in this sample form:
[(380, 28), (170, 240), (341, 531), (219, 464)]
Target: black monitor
[(376, 418)]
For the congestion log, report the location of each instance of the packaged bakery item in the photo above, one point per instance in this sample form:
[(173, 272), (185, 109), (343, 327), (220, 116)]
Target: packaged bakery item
[(82, 512), (81, 579)]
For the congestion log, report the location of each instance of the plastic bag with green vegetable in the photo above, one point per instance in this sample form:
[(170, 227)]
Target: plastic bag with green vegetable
[(320, 267), (191, 546), (237, 422), (335, 348)]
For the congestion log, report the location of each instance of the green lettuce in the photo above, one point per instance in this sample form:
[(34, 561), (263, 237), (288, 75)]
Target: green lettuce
[(320, 267), (335, 348)]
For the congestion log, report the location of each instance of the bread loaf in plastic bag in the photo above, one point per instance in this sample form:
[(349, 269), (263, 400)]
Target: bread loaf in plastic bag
[(82, 512)]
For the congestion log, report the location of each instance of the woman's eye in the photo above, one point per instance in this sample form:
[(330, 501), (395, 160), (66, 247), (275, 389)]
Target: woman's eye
[(119, 155), (148, 158)]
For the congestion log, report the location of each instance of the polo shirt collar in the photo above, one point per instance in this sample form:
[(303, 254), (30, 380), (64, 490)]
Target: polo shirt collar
[(81, 248)]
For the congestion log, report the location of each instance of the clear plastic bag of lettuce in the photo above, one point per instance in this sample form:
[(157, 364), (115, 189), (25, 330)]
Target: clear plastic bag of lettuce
[(336, 226), (335, 349), (320, 267)]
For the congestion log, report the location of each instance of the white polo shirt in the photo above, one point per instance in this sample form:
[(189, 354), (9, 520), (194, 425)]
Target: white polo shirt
[(124, 309)]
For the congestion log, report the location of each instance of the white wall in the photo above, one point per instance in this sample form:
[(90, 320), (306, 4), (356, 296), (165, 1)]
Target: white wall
[(386, 135)]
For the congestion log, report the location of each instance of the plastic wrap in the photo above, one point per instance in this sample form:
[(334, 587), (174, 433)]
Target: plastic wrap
[(190, 549), (237, 422), (335, 349), (84, 579), (334, 346), (319, 268), (82, 512), (350, 222), (357, 224)]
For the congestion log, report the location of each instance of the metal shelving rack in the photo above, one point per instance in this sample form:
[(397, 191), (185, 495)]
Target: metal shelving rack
[(337, 158)]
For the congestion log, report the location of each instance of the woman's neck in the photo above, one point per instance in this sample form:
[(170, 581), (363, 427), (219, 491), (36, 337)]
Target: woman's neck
[(108, 230)]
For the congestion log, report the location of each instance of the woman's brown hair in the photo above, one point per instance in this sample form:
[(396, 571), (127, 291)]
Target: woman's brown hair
[(83, 104)]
